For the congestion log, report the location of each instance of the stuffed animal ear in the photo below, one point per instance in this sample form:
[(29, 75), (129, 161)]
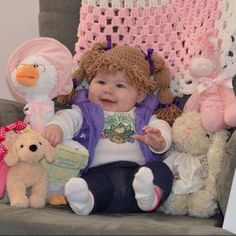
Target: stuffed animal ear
[(28, 130), (49, 151), (12, 158), (216, 42)]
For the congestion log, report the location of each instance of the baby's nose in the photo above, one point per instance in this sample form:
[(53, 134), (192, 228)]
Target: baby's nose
[(108, 89)]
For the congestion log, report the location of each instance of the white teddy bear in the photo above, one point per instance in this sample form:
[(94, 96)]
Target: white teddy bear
[(195, 160)]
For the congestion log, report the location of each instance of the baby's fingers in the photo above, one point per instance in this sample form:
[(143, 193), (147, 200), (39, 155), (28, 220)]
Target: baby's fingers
[(55, 140), (149, 129), (139, 138), (152, 136), (52, 138)]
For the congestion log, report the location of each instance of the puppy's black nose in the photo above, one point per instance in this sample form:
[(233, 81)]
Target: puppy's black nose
[(33, 148)]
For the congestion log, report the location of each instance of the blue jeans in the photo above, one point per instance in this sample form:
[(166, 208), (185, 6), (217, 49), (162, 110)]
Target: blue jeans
[(111, 185)]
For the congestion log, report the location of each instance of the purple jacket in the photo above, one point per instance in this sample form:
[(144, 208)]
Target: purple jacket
[(93, 123)]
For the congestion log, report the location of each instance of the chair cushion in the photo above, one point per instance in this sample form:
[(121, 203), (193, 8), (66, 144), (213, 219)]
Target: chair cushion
[(62, 221)]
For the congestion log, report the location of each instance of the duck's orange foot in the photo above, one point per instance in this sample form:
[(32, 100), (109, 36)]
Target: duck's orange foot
[(58, 200)]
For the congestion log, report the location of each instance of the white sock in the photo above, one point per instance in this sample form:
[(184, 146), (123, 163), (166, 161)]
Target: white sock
[(79, 197), (145, 193)]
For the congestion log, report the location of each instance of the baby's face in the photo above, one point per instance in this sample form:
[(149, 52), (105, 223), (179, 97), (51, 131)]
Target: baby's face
[(113, 92)]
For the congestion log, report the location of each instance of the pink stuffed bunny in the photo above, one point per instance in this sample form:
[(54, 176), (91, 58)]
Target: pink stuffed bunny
[(214, 97)]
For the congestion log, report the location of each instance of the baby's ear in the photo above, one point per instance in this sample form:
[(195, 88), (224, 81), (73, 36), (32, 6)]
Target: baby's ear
[(141, 96)]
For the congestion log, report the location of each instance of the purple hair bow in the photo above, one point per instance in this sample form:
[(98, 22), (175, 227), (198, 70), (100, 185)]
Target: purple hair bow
[(148, 57), (109, 43)]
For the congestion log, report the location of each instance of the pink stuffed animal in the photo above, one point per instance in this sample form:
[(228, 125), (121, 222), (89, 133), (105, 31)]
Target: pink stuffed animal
[(214, 97), (8, 134)]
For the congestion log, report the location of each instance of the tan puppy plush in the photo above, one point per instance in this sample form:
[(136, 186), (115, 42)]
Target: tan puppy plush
[(26, 172)]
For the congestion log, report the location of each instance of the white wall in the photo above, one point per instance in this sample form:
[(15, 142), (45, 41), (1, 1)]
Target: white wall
[(18, 22)]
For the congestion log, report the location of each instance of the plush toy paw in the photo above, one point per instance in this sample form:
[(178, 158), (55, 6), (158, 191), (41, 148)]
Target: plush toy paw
[(22, 202), (58, 200), (175, 205), (230, 114), (37, 201), (197, 208)]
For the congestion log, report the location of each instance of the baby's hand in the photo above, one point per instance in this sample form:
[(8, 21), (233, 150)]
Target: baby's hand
[(54, 134), (152, 137)]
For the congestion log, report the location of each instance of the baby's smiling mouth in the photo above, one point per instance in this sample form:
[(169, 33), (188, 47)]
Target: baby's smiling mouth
[(108, 101)]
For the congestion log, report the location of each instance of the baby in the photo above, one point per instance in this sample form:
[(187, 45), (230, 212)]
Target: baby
[(114, 119)]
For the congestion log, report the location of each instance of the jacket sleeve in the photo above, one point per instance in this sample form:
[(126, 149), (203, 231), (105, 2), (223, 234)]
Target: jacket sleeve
[(70, 120), (165, 129)]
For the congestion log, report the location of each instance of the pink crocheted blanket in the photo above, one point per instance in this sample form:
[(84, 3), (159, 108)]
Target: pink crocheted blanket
[(170, 27)]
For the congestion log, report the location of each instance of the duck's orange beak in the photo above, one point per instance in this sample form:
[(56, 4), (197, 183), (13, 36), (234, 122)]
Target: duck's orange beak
[(27, 75)]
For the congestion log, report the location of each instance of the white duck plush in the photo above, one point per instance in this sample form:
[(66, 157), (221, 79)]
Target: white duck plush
[(39, 70), (31, 76)]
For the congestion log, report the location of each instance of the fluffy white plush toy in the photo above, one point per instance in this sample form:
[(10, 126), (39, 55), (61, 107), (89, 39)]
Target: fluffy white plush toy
[(195, 160), (39, 70)]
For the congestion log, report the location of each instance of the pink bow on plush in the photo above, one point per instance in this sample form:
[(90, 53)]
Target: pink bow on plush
[(37, 108), (38, 114), (222, 80)]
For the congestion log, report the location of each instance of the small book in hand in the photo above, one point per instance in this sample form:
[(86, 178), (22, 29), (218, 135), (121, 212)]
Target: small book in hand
[(68, 163)]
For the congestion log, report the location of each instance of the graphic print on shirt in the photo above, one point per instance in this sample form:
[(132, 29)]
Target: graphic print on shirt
[(119, 128)]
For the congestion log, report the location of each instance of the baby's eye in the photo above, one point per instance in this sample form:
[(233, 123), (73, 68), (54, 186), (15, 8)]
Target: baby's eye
[(101, 82), (200, 53), (120, 86)]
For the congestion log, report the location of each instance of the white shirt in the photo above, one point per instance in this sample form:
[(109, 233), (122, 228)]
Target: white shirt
[(116, 142)]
